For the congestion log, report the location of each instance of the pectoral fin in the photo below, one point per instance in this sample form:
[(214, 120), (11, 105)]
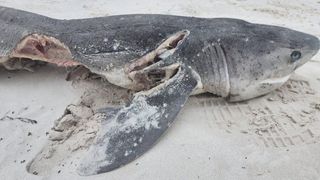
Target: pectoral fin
[(129, 132)]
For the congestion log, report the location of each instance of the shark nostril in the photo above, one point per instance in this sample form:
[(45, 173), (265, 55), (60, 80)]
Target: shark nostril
[(295, 56)]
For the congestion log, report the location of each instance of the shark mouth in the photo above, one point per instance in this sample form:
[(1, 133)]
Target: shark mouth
[(154, 67)]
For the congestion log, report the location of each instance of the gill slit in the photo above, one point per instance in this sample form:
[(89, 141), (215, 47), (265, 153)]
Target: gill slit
[(226, 69)]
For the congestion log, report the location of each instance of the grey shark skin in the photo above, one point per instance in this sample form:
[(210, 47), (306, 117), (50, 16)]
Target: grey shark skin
[(166, 58)]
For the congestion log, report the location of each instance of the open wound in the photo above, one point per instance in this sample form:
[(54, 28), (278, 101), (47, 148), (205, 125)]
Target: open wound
[(37, 49), (148, 70)]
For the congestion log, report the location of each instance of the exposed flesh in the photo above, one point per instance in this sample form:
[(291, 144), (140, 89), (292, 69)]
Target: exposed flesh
[(147, 71), (40, 48)]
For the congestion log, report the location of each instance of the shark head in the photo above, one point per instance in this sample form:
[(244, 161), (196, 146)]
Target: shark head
[(264, 58), (288, 49)]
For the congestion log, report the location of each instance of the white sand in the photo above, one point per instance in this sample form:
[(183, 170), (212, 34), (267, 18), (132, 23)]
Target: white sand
[(273, 137)]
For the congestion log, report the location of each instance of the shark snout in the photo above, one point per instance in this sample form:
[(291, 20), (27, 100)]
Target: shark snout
[(312, 46), (313, 43), (303, 48)]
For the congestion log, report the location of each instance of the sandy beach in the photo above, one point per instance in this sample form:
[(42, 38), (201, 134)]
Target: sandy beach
[(271, 137)]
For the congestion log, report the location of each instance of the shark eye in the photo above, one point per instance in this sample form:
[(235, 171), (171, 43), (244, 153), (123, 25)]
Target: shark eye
[(295, 55)]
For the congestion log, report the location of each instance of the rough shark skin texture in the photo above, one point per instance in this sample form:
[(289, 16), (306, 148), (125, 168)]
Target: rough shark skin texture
[(153, 54)]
